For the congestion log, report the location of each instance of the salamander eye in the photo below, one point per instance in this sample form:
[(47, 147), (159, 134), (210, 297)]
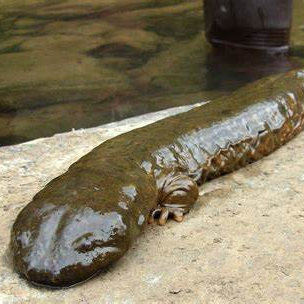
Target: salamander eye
[(88, 246), (83, 243), (88, 242)]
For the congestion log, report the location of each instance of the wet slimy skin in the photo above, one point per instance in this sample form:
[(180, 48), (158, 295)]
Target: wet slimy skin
[(88, 217)]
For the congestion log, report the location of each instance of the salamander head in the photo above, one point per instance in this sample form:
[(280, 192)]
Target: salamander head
[(57, 245), (81, 222)]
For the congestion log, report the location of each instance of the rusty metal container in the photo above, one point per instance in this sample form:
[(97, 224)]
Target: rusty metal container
[(252, 24)]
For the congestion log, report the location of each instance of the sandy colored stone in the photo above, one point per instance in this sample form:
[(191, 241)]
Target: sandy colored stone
[(242, 243)]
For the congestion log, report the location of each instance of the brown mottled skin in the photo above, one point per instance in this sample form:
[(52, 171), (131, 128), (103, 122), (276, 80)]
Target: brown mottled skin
[(88, 217)]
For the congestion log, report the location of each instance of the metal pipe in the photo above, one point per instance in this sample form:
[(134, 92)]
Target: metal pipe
[(252, 24)]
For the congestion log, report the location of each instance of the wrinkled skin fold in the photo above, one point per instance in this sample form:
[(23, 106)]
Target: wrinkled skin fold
[(88, 217)]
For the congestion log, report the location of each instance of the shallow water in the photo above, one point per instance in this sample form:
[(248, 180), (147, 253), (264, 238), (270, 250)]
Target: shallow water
[(77, 64)]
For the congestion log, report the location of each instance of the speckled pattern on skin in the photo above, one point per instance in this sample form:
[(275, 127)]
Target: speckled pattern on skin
[(88, 217)]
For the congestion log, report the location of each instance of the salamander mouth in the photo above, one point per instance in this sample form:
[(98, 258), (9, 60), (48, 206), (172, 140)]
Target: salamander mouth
[(71, 275)]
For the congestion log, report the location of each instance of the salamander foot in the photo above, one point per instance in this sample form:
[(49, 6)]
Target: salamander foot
[(163, 213), (177, 194)]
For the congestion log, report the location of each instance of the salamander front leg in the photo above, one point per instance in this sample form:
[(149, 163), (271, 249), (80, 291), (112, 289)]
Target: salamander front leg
[(177, 194)]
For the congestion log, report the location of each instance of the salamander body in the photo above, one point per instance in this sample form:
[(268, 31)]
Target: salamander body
[(88, 217)]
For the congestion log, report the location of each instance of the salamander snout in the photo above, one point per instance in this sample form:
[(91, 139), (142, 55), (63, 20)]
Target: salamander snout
[(57, 245)]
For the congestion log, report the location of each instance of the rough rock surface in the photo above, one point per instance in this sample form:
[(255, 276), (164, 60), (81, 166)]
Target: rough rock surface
[(242, 243)]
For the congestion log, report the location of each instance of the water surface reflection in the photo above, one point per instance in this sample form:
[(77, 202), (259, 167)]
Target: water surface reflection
[(75, 64)]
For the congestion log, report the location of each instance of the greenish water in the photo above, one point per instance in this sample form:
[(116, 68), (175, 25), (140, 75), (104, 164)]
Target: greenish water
[(77, 64)]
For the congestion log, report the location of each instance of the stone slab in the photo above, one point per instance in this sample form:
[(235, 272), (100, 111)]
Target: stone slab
[(242, 243)]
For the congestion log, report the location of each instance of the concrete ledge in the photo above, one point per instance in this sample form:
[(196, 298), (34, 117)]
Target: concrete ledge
[(242, 243)]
